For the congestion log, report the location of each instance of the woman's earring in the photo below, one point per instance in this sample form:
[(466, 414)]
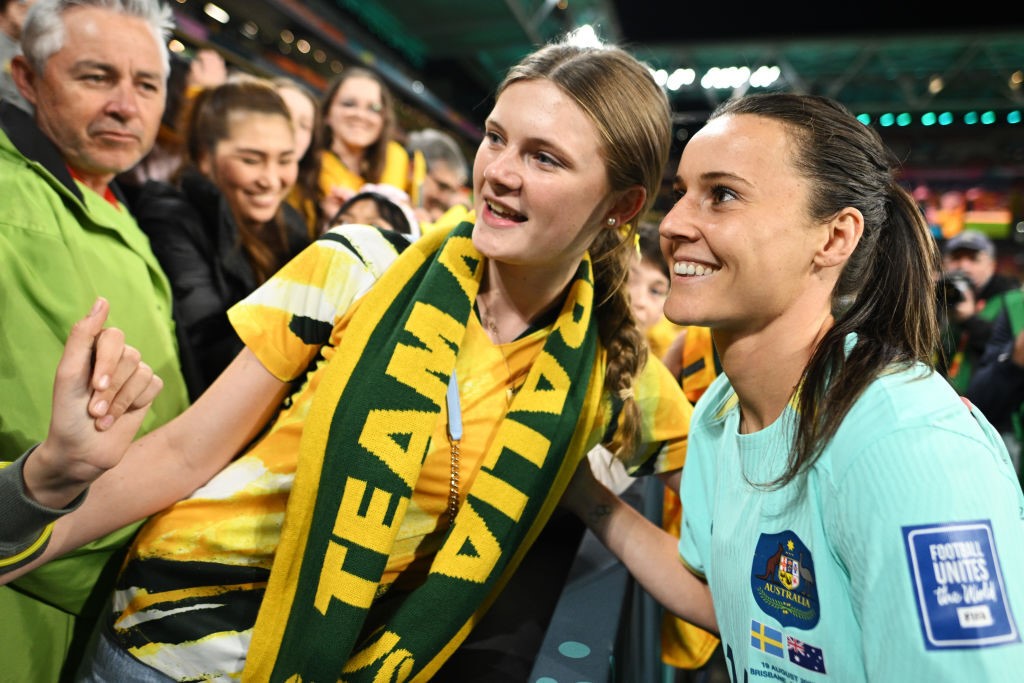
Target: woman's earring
[(611, 222)]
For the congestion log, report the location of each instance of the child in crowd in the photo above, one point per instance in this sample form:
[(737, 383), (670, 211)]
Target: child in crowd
[(373, 206)]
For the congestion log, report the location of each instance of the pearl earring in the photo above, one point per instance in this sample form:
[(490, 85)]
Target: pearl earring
[(611, 222)]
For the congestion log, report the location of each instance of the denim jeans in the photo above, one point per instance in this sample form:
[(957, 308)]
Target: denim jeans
[(111, 664)]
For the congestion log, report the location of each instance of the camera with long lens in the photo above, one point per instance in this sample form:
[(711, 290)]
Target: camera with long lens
[(952, 289)]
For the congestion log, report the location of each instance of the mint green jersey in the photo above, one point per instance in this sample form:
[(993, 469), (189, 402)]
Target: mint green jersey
[(895, 558)]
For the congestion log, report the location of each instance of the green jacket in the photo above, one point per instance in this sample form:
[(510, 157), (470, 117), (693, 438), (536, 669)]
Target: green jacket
[(61, 246)]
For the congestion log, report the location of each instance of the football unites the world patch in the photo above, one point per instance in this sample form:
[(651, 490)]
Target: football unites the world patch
[(958, 585)]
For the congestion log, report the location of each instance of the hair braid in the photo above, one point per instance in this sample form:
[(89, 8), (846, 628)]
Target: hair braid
[(623, 340)]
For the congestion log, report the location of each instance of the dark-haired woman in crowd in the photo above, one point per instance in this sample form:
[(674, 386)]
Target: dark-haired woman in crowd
[(223, 227)]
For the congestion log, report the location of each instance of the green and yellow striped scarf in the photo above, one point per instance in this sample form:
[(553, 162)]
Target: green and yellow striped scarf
[(362, 449)]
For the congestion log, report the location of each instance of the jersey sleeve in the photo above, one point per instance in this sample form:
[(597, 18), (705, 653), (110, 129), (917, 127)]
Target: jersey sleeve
[(665, 421), (928, 525), (291, 316), (25, 525), (695, 526), (698, 487)]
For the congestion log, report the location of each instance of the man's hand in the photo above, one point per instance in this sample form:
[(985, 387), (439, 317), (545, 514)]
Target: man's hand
[(332, 202), (101, 393)]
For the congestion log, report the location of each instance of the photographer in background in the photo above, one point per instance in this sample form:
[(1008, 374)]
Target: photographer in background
[(997, 383), (968, 312)]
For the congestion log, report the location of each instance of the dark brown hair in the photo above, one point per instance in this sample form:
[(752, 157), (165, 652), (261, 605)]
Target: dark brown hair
[(885, 293), (207, 121)]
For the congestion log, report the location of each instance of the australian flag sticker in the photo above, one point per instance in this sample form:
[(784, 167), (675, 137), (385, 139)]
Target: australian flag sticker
[(782, 580), (958, 585), (805, 655)]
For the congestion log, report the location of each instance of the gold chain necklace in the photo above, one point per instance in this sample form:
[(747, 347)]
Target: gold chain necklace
[(454, 438), (492, 326), (455, 420)]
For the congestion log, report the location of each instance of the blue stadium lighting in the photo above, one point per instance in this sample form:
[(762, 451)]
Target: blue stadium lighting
[(971, 118), (886, 120), (904, 119), (1013, 116), (928, 118), (945, 118)]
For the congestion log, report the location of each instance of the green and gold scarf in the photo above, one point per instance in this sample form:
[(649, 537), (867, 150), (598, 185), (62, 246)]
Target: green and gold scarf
[(362, 449)]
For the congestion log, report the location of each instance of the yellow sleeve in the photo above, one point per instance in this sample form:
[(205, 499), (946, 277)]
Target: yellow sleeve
[(660, 337), (419, 174), (288, 318), (333, 174), (396, 167), (452, 217), (666, 420)]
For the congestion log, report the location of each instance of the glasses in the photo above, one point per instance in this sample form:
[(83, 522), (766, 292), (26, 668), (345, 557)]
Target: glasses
[(443, 187), (351, 105)]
